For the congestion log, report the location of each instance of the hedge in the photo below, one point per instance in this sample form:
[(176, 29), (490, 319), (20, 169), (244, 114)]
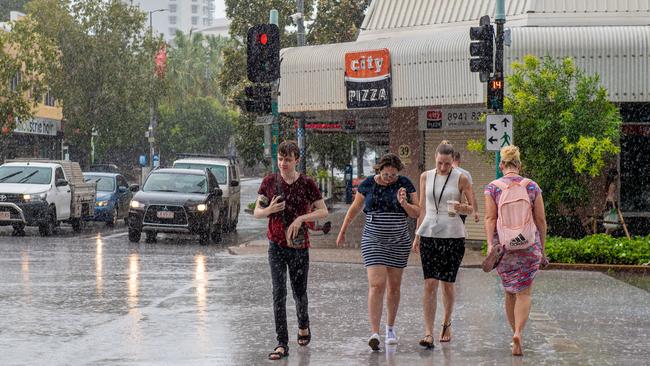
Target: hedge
[(598, 249)]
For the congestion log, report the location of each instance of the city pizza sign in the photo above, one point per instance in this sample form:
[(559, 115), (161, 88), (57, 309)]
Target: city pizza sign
[(367, 79)]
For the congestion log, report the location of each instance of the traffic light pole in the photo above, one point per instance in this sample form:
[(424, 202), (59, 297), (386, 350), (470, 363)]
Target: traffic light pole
[(301, 133), (275, 126), (500, 19)]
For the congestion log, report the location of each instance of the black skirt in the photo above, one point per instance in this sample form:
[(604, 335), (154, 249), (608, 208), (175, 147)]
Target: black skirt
[(441, 257)]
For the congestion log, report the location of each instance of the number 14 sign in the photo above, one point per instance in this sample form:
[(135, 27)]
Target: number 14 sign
[(498, 131)]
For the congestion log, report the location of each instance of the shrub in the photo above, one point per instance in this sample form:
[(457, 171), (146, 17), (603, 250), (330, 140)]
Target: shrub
[(597, 249)]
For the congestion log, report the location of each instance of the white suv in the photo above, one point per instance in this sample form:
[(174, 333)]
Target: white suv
[(226, 170)]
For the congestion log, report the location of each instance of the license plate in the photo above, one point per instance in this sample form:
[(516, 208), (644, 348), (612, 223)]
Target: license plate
[(5, 215), (165, 214)]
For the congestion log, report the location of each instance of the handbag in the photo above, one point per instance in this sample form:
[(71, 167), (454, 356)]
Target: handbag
[(300, 240), (493, 258)]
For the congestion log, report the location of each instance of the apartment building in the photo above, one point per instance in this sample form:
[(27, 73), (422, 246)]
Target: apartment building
[(168, 16)]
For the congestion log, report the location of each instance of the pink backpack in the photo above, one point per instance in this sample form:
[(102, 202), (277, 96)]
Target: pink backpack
[(515, 225)]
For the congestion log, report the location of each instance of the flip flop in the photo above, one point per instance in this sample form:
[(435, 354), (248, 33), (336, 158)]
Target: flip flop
[(444, 331)]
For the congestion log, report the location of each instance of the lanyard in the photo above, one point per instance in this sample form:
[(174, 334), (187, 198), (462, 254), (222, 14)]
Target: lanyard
[(435, 175)]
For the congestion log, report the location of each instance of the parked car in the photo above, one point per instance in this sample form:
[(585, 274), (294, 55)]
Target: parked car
[(186, 201), (113, 197), (226, 170), (44, 193)]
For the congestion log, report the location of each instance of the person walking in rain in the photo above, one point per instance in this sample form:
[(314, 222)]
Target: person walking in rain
[(387, 199), (517, 266), (440, 237), (456, 165), (287, 199)]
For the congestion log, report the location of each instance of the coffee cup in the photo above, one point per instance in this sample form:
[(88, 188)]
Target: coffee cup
[(451, 209)]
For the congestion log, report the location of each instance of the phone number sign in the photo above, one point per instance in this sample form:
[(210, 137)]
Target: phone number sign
[(431, 119)]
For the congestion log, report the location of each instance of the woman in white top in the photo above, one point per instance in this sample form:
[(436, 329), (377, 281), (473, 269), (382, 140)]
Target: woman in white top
[(440, 237)]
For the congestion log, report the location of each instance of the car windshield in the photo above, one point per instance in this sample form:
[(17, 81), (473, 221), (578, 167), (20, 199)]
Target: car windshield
[(25, 174), (219, 171), (104, 184), (175, 182)]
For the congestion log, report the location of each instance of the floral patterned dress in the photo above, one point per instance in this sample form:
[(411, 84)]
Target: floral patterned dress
[(517, 268)]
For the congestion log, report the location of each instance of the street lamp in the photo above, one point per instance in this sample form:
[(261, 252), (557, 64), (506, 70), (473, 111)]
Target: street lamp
[(152, 110)]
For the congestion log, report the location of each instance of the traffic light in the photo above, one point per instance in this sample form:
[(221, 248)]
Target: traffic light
[(263, 51), (495, 93), (482, 48), (258, 99)]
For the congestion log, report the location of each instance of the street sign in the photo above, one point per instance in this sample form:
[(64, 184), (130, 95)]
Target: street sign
[(264, 120), (156, 160), (498, 131), (143, 160)]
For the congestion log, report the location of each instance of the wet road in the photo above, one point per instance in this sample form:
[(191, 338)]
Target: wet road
[(96, 299)]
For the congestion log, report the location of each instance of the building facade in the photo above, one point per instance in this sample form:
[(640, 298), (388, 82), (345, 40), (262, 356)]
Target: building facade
[(181, 15), (41, 136), (434, 96)]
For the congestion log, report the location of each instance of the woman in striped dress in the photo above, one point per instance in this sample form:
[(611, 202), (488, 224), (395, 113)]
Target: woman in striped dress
[(387, 199)]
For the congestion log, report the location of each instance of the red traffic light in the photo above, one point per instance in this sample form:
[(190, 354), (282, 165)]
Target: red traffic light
[(264, 39)]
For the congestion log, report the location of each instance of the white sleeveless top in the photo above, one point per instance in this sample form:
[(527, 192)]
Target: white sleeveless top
[(440, 224)]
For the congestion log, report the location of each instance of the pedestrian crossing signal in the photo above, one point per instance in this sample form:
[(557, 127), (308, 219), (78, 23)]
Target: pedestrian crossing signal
[(495, 93), (263, 53)]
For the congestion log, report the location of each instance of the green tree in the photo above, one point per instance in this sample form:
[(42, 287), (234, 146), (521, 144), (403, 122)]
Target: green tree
[(193, 65), (7, 6), (335, 21), (196, 124), (105, 78), (565, 127), (25, 58), (331, 150)]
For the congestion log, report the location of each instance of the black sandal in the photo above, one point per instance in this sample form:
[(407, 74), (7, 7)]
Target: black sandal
[(424, 343), (278, 355), (304, 340)]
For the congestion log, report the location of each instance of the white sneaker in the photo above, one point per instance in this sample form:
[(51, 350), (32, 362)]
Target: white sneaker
[(391, 337), (373, 342)]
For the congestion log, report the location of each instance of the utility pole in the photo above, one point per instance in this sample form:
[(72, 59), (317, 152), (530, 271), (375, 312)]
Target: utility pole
[(275, 125), (499, 19), (301, 133), (152, 108)]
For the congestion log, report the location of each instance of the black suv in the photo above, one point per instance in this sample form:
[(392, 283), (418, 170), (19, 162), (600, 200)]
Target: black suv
[(186, 201)]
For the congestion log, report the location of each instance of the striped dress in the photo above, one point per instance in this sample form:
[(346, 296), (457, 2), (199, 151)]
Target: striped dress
[(386, 239)]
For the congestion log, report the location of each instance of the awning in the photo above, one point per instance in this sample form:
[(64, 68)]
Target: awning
[(431, 69)]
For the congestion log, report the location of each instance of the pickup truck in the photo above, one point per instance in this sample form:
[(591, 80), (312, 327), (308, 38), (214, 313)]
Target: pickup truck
[(44, 193)]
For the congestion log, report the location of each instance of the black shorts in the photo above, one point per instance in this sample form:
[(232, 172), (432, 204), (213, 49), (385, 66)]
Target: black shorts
[(441, 257)]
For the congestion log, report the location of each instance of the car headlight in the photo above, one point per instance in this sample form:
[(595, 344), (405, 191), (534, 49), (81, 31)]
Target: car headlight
[(202, 207), (101, 203), (35, 196), (136, 204)]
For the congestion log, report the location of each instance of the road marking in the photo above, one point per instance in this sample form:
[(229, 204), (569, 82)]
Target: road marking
[(115, 235)]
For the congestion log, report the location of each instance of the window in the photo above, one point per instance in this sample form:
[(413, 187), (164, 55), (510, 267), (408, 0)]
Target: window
[(58, 174), (49, 99), (172, 8), (195, 20), (172, 20), (172, 31), (195, 9), (15, 81), (121, 182)]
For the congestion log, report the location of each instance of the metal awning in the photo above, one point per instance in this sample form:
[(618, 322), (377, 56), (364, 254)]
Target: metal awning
[(432, 68)]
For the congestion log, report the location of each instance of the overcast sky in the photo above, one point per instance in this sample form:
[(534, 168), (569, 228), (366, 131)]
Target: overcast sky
[(220, 9)]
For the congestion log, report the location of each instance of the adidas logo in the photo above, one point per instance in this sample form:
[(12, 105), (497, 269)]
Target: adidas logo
[(519, 240)]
